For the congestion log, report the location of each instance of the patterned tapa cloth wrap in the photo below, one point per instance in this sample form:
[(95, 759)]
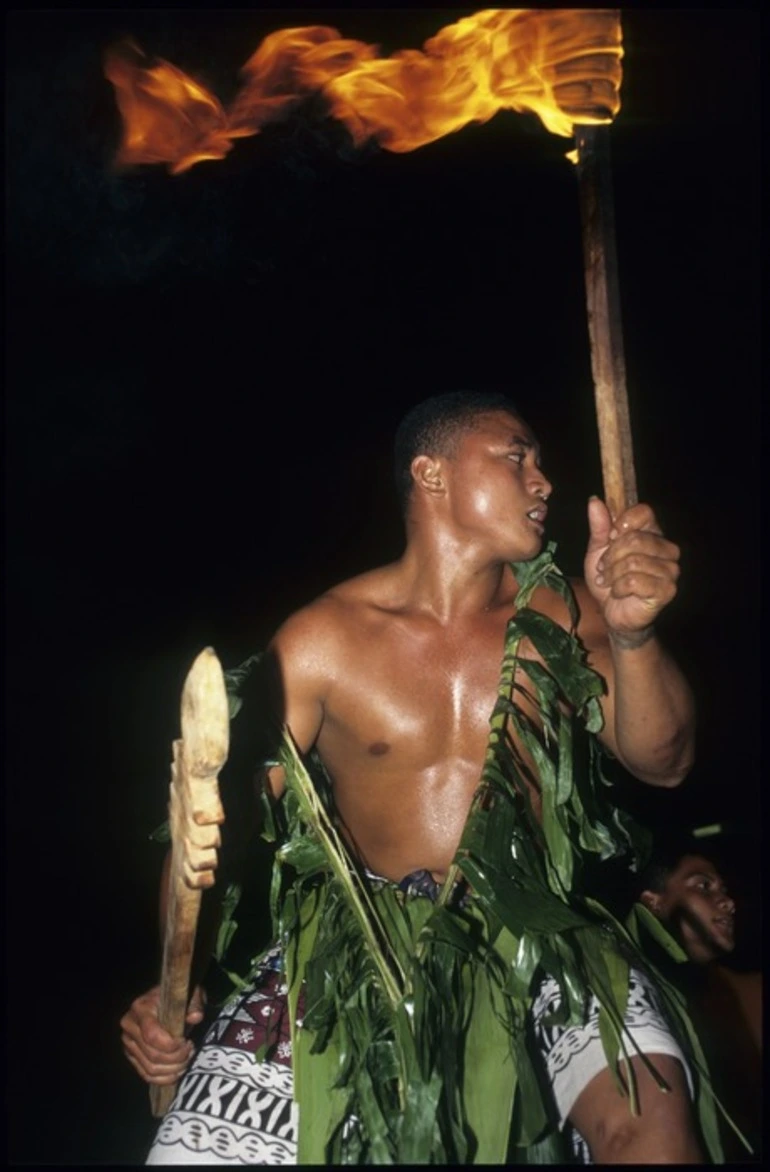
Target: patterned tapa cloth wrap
[(387, 1027), (235, 1104)]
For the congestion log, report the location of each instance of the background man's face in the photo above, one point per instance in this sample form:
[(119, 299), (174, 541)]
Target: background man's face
[(697, 909)]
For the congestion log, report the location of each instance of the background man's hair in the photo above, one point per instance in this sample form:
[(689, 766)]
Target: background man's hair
[(434, 427), (668, 850)]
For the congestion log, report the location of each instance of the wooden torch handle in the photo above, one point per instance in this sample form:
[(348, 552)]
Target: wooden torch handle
[(604, 318)]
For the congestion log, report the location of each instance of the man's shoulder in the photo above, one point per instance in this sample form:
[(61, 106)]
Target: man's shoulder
[(590, 625), (364, 590), (342, 609), (548, 600)]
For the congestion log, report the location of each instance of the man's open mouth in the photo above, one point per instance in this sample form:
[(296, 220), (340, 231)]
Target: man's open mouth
[(538, 515)]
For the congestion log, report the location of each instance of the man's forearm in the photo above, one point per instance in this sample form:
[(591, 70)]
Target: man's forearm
[(654, 712)]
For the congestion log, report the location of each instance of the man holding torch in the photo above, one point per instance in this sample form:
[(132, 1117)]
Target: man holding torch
[(390, 679)]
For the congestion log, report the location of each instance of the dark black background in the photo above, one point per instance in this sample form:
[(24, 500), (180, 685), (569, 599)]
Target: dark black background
[(204, 376)]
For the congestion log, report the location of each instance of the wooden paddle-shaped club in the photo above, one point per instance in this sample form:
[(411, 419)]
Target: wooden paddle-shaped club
[(195, 813)]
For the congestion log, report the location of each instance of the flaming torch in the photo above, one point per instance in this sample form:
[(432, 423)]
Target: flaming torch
[(561, 64)]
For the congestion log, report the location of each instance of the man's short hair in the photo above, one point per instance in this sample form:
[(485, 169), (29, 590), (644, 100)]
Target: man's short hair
[(666, 855), (434, 427)]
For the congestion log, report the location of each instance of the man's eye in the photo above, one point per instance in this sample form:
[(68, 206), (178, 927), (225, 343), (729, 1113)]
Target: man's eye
[(517, 457)]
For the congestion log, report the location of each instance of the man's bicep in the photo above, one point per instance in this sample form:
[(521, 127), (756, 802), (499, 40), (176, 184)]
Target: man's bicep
[(300, 681), (304, 717), (301, 710)]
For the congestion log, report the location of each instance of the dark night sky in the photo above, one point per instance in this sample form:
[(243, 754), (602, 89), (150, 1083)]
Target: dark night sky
[(204, 376)]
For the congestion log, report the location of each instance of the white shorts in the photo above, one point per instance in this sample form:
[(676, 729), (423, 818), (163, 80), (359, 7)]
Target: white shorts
[(574, 1054)]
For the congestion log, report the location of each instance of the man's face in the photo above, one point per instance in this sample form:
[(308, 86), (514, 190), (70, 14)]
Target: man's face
[(697, 909), (497, 490)]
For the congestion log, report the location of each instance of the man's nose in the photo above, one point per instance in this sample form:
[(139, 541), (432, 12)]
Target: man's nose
[(540, 484), (726, 903)]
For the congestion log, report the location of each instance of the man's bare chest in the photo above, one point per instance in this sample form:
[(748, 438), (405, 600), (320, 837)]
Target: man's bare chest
[(416, 697)]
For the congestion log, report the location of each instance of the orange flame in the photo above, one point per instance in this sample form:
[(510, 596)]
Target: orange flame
[(561, 64)]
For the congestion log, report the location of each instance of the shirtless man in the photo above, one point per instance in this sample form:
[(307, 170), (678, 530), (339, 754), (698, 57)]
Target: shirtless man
[(392, 677)]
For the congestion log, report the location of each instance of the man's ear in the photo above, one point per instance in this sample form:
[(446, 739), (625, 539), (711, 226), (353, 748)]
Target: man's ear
[(428, 475), (652, 901)]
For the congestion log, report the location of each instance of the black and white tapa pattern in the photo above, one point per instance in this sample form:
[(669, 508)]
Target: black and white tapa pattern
[(233, 1107), (575, 1054)]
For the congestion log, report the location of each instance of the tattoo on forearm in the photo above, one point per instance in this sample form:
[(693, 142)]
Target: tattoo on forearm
[(629, 642)]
